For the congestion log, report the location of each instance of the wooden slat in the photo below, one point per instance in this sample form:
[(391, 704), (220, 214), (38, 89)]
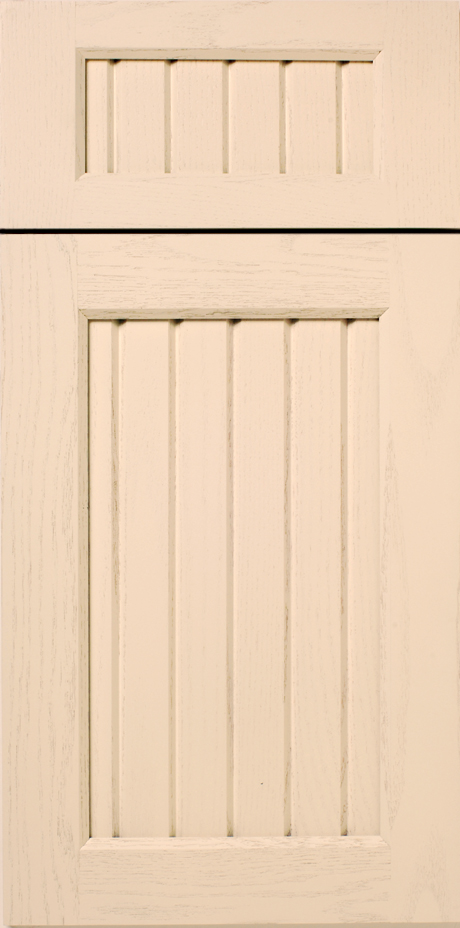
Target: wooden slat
[(254, 116), (311, 117), (201, 579), (235, 881), (139, 102), (316, 585), (259, 594), (103, 606), (357, 118), (233, 201), (200, 275), (196, 117), (44, 607), (420, 577), (363, 579), (99, 117), (144, 408)]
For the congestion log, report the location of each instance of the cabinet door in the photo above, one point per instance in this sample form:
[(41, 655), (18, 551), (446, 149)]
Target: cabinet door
[(231, 694), (218, 115)]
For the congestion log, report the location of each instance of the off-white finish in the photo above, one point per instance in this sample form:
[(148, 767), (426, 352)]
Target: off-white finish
[(204, 115), (407, 868), (247, 575), (283, 880), (231, 117), (250, 276)]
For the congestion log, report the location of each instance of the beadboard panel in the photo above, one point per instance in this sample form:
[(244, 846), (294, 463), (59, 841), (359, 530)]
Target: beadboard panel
[(230, 116), (55, 872), (232, 561)]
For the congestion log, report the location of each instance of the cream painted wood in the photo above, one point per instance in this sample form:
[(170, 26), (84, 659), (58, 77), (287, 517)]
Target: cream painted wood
[(197, 113), (103, 570), (281, 879), (357, 85), (99, 117), (141, 117), (419, 525), (408, 871), (180, 276), (257, 604), (144, 686), (312, 117), (363, 587), (201, 597), (397, 115), (318, 392), (259, 611), (44, 588), (254, 113)]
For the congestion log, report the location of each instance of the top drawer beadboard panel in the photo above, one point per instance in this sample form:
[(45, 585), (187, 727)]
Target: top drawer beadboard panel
[(230, 117), (159, 115)]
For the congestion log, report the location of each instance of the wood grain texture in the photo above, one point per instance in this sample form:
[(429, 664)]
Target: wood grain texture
[(259, 581), (197, 117), (44, 620), (295, 880), (420, 531), (283, 880), (201, 578), (140, 118), (103, 576), (180, 276), (311, 117), (316, 584), (230, 26), (357, 82), (417, 120), (363, 586), (254, 99), (144, 406), (100, 117), (234, 201), (37, 109)]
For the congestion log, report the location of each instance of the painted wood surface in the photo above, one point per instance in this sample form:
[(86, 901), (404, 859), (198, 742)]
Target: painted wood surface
[(151, 105), (363, 586), (313, 112), (419, 376), (234, 556), (237, 117), (143, 479), (45, 598), (143, 134), (223, 276), (280, 880), (201, 592), (44, 580), (317, 476)]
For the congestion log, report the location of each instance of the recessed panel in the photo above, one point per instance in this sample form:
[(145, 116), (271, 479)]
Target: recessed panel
[(229, 117), (234, 578)]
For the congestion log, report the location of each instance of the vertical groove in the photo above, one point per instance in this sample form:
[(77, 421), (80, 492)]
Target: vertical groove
[(339, 117), (282, 110), (168, 118), (110, 117), (225, 117), (287, 577), (172, 577), (115, 582), (344, 597), (230, 746)]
